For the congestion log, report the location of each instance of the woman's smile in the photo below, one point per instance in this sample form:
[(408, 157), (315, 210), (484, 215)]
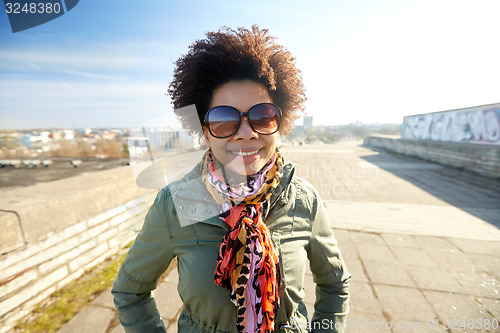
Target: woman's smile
[(242, 153)]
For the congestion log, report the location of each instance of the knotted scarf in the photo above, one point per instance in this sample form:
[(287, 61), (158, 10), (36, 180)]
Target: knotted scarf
[(248, 261)]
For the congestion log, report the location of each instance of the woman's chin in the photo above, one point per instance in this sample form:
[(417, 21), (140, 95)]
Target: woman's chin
[(240, 169)]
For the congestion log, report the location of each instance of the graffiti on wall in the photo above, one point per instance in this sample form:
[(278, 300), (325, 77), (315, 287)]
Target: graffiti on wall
[(474, 125)]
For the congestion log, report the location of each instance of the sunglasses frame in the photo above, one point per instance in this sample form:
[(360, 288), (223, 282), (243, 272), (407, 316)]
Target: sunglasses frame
[(278, 116)]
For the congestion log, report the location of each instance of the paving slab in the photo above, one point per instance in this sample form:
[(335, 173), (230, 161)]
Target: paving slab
[(118, 329), (492, 306), (480, 284), (435, 279), (367, 238), (349, 251), (342, 236), (366, 323), (404, 303), (105, 300), (436, 243), (440, 220), (477, 246), (488, 263), (459, 307), (356, 269), (400, 240), (376, 253), (172, 328), (94, 319), (391, 274), (362, 295), (414, 257), (168, 300), (454, 260)]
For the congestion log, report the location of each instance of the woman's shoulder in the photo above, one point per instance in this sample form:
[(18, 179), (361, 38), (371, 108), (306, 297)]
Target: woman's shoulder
[(303, 199), (303, 193), (304, 188), (303, 184)]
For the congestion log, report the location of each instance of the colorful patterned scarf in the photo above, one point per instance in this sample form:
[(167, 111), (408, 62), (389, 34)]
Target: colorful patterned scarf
[(247, 263)]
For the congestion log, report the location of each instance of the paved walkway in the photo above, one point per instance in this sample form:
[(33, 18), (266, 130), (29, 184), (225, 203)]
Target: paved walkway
[(421, 241)]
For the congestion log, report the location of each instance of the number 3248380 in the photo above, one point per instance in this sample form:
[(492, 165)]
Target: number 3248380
[(33, 8)]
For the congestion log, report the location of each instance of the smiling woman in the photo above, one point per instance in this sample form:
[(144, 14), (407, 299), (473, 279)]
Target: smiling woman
[(241, 270)]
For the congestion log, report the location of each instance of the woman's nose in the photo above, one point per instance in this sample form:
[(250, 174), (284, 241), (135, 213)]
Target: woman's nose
[(245, 132)]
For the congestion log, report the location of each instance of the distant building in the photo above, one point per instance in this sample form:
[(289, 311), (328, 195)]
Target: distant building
[(163, 138), (308, 122), (109, 135), (153, 142), (55, 136), (69, 134), (36, 138)]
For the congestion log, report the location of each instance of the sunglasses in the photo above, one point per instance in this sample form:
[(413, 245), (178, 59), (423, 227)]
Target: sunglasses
[(224, 121)]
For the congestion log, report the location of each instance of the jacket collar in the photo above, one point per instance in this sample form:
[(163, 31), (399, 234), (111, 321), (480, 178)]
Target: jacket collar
[(193, 203)]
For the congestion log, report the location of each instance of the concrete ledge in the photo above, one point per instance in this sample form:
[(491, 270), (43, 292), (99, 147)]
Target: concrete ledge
[(55, 231), (480, 159), (50, 207), (12, 236)]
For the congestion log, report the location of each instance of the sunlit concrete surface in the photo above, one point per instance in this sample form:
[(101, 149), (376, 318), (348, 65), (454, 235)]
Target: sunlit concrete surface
[(371, 190)]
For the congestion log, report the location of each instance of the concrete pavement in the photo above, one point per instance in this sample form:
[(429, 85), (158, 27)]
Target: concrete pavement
[(422, 243)]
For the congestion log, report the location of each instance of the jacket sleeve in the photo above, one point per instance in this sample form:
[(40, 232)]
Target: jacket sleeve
[(329, 273), (146, 260)]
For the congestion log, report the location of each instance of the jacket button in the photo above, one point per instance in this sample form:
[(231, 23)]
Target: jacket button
[(208, 211), (283, 201), (180, 208), (193, 210)]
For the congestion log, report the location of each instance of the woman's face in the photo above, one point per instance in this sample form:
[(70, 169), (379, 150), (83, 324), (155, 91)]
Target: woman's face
[(233, 152)]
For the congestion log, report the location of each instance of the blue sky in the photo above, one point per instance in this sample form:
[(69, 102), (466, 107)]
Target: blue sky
[(109, 63)]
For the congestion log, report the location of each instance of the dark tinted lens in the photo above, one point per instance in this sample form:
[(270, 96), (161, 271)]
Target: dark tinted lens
[(264, 118), (223, 121)]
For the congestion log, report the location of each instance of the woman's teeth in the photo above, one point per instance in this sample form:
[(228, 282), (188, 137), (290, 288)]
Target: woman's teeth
[(240, 153)]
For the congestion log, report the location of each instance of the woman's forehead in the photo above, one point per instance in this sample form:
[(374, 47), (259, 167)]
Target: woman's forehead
[(241, 94)]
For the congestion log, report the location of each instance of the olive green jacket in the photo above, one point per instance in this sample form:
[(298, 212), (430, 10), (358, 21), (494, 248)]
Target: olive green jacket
[(183, 222)]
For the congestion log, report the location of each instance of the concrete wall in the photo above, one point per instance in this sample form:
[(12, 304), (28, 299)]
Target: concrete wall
[(479, 124), (52, 232), (480, 159)]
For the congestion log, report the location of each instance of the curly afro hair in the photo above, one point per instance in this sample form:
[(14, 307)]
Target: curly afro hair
[(234, 55)]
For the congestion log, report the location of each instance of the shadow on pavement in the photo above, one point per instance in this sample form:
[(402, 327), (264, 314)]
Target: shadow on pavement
[(474, 194)]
